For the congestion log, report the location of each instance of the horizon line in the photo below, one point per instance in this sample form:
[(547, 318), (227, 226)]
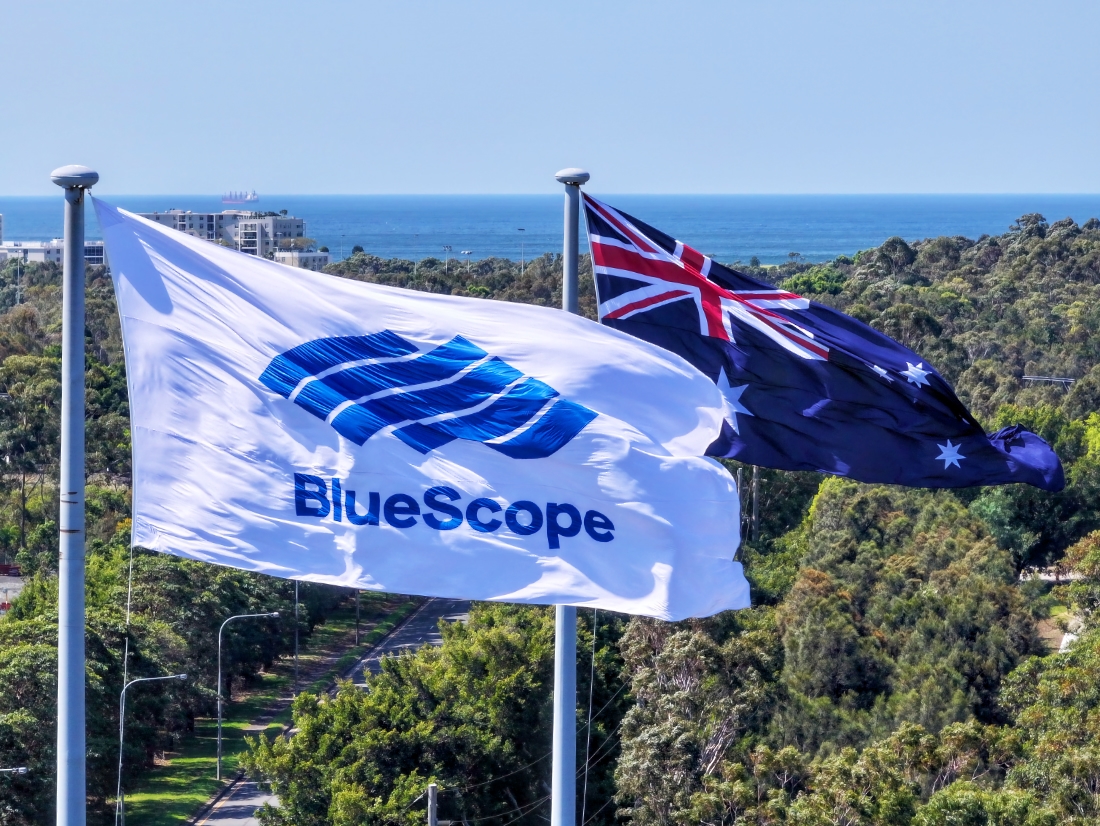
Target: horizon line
[(604, 195)]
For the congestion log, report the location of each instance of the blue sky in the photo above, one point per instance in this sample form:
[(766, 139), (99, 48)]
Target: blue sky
[(771, 96)]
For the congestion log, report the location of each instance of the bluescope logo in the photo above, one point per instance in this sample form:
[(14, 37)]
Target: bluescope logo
[(363, 385)]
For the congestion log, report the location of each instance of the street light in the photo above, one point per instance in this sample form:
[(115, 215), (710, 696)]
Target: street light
[(521, 229), (237, 617), (295, 638), (120, 806), (17, 770), (467, 254)]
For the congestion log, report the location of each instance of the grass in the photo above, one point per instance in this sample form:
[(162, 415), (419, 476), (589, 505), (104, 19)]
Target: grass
[(172, 793), (366, 643)]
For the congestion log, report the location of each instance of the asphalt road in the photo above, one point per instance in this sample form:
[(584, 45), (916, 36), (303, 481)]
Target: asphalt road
[(421, 629), (238, 808)]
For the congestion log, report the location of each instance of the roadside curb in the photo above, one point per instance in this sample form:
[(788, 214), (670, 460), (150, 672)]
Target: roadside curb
[(350, 671), (209, 806)]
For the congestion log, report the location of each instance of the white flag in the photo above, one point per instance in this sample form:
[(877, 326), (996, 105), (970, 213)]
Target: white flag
[(317, 428)]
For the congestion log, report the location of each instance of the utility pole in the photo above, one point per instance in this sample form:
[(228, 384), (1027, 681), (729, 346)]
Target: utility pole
[(433, 811), (563, 799), (72, 799), (755, 503), (741, 501), (357, 592)]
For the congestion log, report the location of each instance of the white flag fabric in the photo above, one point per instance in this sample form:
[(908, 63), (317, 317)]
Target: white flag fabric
[(318, 428)]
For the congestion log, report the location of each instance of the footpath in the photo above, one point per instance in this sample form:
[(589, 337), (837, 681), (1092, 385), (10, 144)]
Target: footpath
[(180, 789)]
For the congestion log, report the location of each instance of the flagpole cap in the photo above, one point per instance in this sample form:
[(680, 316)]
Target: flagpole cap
[(75, 176), (573, 176)]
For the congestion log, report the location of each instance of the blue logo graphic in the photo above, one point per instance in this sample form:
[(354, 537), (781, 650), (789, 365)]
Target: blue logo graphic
[(363, 385)]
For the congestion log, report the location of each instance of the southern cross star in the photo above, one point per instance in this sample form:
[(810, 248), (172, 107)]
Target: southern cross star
[(950, 455), (916, 374), (731, 399)]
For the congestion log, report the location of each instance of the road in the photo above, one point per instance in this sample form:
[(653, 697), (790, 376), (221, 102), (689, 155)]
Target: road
[(421, 629), (238, 808)]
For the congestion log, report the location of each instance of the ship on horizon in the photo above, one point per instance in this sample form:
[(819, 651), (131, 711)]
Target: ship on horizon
[(240, 197)]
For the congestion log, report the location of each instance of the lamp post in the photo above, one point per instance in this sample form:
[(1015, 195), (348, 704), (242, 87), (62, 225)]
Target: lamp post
[(17, 770), (120, 805), (295, 638), (563, 783), (72, 799), (237, 617), (521, 229), (467, 253)]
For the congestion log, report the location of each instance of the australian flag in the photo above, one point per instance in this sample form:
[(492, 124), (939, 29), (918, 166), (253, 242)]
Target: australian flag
[(805, 387)]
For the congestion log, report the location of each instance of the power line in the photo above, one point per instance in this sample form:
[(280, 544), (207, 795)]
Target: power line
[(540, 759), (588, 733), (609, 741), (495, 779), (610, 800), (523, 810)]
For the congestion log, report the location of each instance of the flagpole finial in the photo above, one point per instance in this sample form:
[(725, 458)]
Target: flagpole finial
[(75, 176), (572, 176)]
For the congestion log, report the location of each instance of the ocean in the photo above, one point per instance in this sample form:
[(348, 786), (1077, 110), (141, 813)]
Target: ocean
[(727, 227)]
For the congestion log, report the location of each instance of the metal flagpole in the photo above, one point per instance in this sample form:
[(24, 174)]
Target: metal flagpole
[(563, 800), (71, 776)]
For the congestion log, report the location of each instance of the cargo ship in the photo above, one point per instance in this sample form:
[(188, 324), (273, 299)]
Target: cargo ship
[(240, 197)]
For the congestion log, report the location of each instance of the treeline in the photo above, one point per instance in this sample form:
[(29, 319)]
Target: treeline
[(176, 606), (892, 670)]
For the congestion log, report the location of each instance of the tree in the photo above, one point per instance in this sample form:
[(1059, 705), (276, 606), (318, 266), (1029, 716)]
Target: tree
[(700, 688), (463, 716)]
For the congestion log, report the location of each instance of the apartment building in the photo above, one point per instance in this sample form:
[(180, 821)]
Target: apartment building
[(255, 233), (306, 259), (48, 251)]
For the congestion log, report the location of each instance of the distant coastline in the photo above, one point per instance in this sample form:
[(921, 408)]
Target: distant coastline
[(728, 227)]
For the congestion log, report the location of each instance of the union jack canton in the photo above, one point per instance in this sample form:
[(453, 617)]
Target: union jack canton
[(806, 387)]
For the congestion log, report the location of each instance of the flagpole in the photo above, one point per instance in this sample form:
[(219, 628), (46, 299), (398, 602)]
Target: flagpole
[(71, 775), (563, 800)]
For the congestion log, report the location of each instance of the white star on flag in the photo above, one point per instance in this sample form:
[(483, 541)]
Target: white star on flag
[(916, 374), (731, 399), (950, 455)]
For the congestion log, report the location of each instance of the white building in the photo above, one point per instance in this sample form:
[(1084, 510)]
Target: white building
[(255, 233), (48, 251), (10, 588), (306, 259)]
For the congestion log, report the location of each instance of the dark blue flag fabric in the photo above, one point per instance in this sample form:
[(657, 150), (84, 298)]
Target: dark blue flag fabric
[(806, 387)]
